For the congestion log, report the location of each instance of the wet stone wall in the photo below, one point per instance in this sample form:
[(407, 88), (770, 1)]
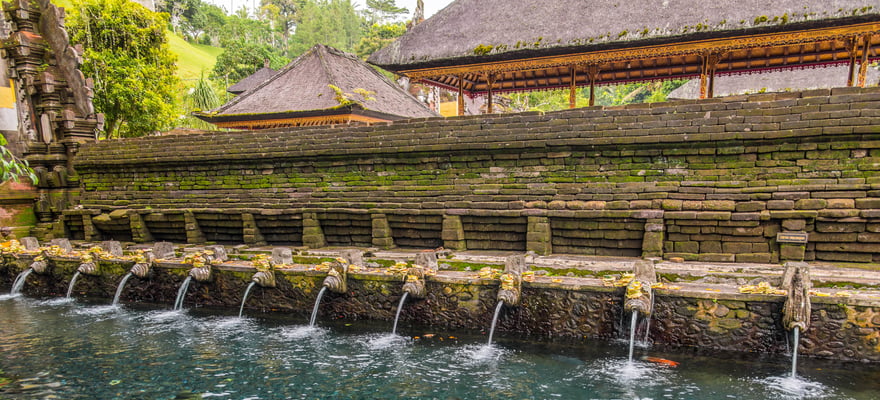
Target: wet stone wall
[(844, 330)]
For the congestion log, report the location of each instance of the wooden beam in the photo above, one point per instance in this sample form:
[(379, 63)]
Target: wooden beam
[(852, 45), (592, 75), (572, 91), (490, 82), (863, 64), (460, 95)]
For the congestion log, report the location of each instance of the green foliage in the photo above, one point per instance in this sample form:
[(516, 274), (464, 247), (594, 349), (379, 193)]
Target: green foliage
[(241, 58), (127, 53), (379, 36), (12, 167), (200, 96), (383, 10), (334, 23)]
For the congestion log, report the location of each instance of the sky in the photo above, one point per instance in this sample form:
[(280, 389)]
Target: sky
[(431, 6)]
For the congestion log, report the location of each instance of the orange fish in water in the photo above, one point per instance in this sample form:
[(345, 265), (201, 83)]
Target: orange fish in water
[(661, 361)]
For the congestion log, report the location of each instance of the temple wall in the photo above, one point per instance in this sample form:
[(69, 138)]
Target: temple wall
[(577, 309), (711, 180)]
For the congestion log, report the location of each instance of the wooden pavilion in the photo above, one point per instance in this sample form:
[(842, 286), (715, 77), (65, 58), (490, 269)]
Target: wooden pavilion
[(302, 94), (478, 47)]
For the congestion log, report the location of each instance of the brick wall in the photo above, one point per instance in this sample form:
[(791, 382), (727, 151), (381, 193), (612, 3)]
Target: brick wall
[(711, 180)]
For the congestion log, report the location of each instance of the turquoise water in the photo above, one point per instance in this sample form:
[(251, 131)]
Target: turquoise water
[(65, 349)]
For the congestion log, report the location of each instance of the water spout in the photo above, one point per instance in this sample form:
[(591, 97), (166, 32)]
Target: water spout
[(794, 352), (397, 315), (639, 295), (72, 282), (178, 303), (511, 280), (121, 287), (495, 320), (244, 299), (315, 309), (19, 281), (415, 282), (632, 333), (796, 309), (336, 280)]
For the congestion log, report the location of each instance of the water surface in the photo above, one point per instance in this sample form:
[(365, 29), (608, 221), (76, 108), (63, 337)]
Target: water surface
[(72, 350)]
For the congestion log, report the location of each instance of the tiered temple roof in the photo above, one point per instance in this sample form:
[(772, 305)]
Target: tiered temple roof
[(479, 47), (302, 94)]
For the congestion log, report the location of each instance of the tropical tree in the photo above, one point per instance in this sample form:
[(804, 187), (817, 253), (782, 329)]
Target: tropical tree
[(240, 59), (12, 167), (379, 36), (127, 53), (379, 11), (335, 23)]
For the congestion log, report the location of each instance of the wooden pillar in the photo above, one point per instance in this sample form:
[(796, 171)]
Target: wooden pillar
[(592, 75), (461, 95), (852, 45), (572, 91), (863, 65), (490, 82), (707, 76)]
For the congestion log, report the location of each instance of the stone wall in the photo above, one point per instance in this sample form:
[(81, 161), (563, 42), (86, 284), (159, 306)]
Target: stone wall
[(710, 180), (576, 309)]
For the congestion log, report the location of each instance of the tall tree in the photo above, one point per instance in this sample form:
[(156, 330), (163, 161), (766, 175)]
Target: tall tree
[(379, 11), (335, 23), (378, 37), (127, 53), (241, 59)]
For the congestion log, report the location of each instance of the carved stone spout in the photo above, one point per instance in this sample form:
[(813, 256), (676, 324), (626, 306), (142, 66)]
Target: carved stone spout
[(639, 295), (265, 279), (41, 263), (511, 289), (202, 274), (89, 268), (40, 267), (511, 280), (415, 282), (796, 310), (337, 278), (143, 268)]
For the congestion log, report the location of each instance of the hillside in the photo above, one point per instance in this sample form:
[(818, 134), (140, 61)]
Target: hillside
[(192, 59)]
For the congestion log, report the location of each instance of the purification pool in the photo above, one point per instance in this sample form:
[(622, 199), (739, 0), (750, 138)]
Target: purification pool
[(63, 349)]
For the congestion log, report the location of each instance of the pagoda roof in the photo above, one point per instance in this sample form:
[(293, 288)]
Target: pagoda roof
[(303, 88), (251, 81), (629, 40), (774, 81)]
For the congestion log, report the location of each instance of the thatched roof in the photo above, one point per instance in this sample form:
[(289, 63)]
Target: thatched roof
[(776, 81), (469, 31), (251, 81), (303, 88)]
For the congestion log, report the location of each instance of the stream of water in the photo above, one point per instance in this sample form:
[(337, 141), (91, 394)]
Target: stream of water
[(72, 283)]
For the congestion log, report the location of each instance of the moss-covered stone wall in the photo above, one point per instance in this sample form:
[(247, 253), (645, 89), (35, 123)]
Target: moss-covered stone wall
[(710, 180), (577, 309)]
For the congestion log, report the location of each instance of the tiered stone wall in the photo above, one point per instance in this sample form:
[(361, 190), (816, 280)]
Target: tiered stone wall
[(710, 180)]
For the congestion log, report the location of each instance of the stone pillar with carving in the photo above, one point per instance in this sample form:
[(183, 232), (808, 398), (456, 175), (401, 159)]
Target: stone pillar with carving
[(53, 103)]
